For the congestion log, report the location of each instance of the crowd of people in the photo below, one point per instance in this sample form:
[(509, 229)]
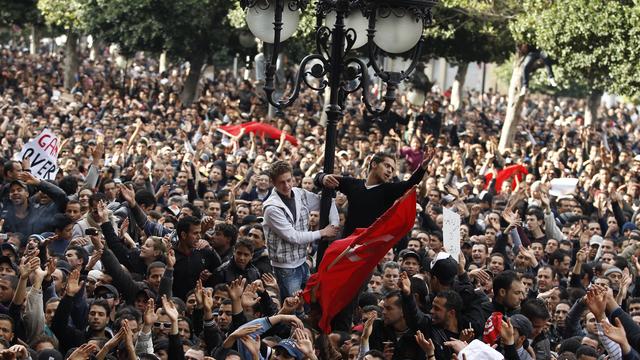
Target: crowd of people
[(163, 238)]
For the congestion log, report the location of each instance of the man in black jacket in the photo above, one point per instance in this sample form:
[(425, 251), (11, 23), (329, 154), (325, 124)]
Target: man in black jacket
[(239, 265), (368, 200), (191, 263)]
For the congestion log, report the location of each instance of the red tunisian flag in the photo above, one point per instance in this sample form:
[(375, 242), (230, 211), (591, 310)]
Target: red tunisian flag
[(347, 263), (519, 171), (257, 128)]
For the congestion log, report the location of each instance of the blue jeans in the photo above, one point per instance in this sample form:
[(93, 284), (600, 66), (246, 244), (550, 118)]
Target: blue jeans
[(291, 280)]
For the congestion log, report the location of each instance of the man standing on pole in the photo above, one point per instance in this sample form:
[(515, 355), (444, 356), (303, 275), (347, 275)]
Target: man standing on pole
[(369, 199), (286, 227)]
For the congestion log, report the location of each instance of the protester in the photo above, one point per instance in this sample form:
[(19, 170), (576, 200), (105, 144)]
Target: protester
[(166, 235)]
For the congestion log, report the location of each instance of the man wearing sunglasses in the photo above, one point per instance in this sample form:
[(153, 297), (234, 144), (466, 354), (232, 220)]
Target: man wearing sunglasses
[(111, 295)]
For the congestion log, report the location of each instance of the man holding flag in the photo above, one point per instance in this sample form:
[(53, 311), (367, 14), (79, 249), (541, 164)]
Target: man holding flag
[(368, 200)]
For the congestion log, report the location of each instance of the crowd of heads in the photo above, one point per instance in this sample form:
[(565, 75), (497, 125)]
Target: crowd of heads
[(149, 242)]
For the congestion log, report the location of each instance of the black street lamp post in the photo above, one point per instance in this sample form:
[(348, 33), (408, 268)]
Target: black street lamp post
[(400, 26)]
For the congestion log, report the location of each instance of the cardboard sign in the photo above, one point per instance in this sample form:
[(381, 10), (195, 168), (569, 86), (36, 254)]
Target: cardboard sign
[(42, 153), (451, 233)]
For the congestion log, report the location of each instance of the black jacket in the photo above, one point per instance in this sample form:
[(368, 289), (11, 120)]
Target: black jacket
[(188, 268), (229, 271)]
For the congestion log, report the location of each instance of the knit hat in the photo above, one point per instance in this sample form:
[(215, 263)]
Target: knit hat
[(94, 275), (612, 270), (522, 323), (628, 226)]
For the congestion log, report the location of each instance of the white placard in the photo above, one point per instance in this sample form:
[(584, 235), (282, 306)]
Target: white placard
[(563, 186), (477, 350), (451, 233), (43, 155)]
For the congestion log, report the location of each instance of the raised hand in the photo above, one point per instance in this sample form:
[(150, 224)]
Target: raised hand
[(467, 335), (617, 334), (425, 344), (83, 352), (596, 301), (124, 226), (368, 328), (171, 259), (404, 283), (95, 257), (245, 331), (28, 178), (252, 345), (455, 344), (236, 288), (207, 301), (150, 316), (303, 342), (290, 304), (249, 296), (170, 309), (73, 283), (128, 194), (507, 333), (269, 281)]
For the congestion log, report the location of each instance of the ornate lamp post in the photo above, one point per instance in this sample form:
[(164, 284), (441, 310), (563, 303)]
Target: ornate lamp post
[(393, 26)]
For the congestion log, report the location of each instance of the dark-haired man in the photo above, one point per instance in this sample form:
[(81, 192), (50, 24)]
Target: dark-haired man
[(191, 262), (508, 293), (23, 214), (368, 200)]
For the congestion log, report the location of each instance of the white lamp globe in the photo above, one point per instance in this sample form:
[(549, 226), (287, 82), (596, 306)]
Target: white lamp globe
[(397, 34), (260, 19), (355, 21)]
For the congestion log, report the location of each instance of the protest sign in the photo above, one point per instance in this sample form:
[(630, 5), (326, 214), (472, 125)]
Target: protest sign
[(42, 153), (451, 233)]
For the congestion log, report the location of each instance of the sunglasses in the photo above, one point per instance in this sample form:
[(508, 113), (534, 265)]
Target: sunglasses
[(159, 324)]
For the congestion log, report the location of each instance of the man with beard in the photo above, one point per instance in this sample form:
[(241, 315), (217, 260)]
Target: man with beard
[(442, 322), (368, 200)]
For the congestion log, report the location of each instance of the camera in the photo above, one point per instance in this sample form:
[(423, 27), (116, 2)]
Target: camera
[(91, 232)]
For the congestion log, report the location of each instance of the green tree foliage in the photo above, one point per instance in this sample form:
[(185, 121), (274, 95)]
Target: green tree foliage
[(63, 14), (471, 31), (593, 42), (22, 12)]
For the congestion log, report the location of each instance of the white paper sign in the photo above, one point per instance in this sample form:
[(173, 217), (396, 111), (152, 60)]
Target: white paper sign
[(477, 350), (451, 233), (43, 155), (563, 186)]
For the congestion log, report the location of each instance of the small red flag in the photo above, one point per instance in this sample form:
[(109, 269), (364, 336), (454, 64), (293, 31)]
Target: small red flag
[(519, 171), (348, 262), (258, 129)]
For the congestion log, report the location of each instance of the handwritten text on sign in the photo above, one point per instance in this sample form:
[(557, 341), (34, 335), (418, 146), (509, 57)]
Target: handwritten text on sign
[(42, 153), (451, 232)]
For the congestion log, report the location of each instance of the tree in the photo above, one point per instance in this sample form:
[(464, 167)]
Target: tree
[(462, 36), (594, 42), (193, 30), (22, 13), (66, 15)]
